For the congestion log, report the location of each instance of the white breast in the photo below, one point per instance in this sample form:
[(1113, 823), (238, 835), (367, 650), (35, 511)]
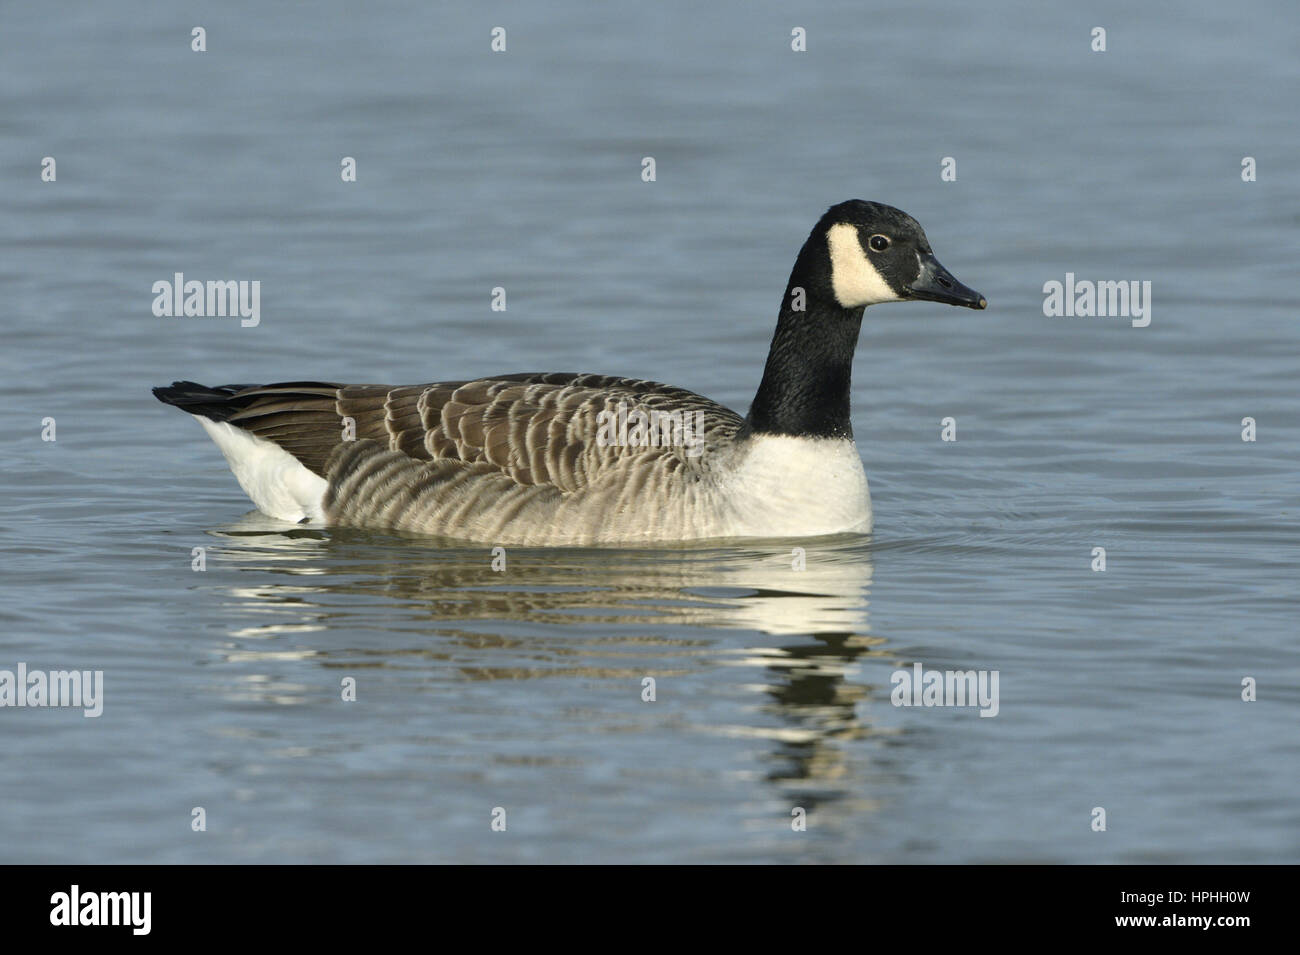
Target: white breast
[(785, 486)]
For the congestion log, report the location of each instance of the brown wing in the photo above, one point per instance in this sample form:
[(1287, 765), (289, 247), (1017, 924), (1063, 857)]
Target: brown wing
[(533, 428)]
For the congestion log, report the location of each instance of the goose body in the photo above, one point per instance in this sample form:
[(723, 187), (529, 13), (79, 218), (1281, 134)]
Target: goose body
[(561, 458)]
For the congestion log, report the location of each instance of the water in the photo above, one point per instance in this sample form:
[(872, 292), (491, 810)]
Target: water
[(522, 689)]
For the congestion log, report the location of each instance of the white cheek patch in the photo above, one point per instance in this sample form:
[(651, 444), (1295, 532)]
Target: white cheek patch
[(853, 277)]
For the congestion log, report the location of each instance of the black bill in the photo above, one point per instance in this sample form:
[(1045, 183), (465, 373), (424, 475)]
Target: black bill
[(936, 284)]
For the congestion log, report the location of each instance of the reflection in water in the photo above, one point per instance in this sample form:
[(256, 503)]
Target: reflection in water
[(578, 613)]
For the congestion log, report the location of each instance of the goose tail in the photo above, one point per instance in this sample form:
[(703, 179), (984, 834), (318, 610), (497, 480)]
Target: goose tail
[(276, 480), (215, 404)]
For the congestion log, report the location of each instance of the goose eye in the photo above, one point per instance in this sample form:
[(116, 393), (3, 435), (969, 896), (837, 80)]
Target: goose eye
[(878, 243)]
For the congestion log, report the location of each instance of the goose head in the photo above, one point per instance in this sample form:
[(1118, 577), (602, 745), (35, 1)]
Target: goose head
[(873, 253), (859, 254)]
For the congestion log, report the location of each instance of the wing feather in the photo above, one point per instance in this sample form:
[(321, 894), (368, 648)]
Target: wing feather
[(532, 429)]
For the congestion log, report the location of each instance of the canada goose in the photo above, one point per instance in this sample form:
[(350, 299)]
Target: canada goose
[(560, 458)]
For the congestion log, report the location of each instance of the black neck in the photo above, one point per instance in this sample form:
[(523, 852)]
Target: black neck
[(805, 387)]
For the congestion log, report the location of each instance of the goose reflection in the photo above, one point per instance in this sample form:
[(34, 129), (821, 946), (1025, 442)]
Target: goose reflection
[(799, 609)]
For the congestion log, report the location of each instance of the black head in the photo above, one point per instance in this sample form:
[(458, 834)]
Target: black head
[(864, 253), (859, 254)]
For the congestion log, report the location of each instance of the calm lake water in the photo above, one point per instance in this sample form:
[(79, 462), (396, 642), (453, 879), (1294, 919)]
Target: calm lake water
[(522, 689)]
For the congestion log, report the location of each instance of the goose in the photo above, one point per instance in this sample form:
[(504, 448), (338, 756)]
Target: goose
[(553, 458)]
